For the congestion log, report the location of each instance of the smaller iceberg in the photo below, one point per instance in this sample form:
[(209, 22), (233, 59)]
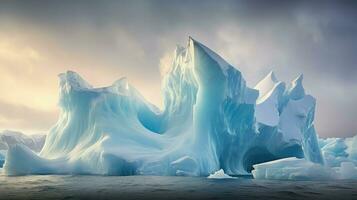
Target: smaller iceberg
[(301, 169), (220, 175), (293, 169)]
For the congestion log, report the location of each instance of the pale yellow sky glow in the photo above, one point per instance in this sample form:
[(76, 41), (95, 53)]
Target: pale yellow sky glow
[(29, 71)]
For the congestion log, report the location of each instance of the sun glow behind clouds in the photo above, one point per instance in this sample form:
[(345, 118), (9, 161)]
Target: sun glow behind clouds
[(20, 84)]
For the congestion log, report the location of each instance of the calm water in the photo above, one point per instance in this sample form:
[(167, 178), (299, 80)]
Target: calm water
[(156, 187)]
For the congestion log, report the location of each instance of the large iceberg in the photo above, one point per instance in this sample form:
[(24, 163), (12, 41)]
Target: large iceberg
[(211, 120)]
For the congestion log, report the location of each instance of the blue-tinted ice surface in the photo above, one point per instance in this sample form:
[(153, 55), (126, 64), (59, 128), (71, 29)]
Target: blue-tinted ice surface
[(2, 159), (211, 120)]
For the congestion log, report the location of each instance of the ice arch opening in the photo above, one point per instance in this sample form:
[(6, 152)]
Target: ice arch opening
[(257, 155)]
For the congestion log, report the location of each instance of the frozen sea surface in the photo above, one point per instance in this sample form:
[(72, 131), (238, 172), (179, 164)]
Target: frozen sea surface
[(161, 187)]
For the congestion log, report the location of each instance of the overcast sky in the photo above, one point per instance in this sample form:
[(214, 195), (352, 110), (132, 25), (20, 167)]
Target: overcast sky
[(106, 40)]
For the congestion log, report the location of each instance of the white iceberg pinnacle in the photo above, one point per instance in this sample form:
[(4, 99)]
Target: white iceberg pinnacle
[(220, 175), (211, 120), (270, 92)]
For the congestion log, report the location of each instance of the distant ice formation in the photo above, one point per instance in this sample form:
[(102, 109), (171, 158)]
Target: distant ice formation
[(340, 162), (211, 120), (11, 138), (338, 150)]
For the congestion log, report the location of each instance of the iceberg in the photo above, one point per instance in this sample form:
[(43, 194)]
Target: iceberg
[(211, 120)]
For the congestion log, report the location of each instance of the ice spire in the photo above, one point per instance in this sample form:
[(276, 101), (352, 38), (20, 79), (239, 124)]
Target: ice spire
[(296, 90), (266, 84)]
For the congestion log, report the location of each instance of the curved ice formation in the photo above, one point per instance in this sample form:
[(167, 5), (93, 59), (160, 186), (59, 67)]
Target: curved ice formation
[(211, 120)]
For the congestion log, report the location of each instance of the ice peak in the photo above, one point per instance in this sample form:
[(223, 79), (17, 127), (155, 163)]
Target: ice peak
[(298, 79), (121, 81), (74, 80), (121, 84), (272, 76), (296, 90), (266, 84), (197, 46)]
